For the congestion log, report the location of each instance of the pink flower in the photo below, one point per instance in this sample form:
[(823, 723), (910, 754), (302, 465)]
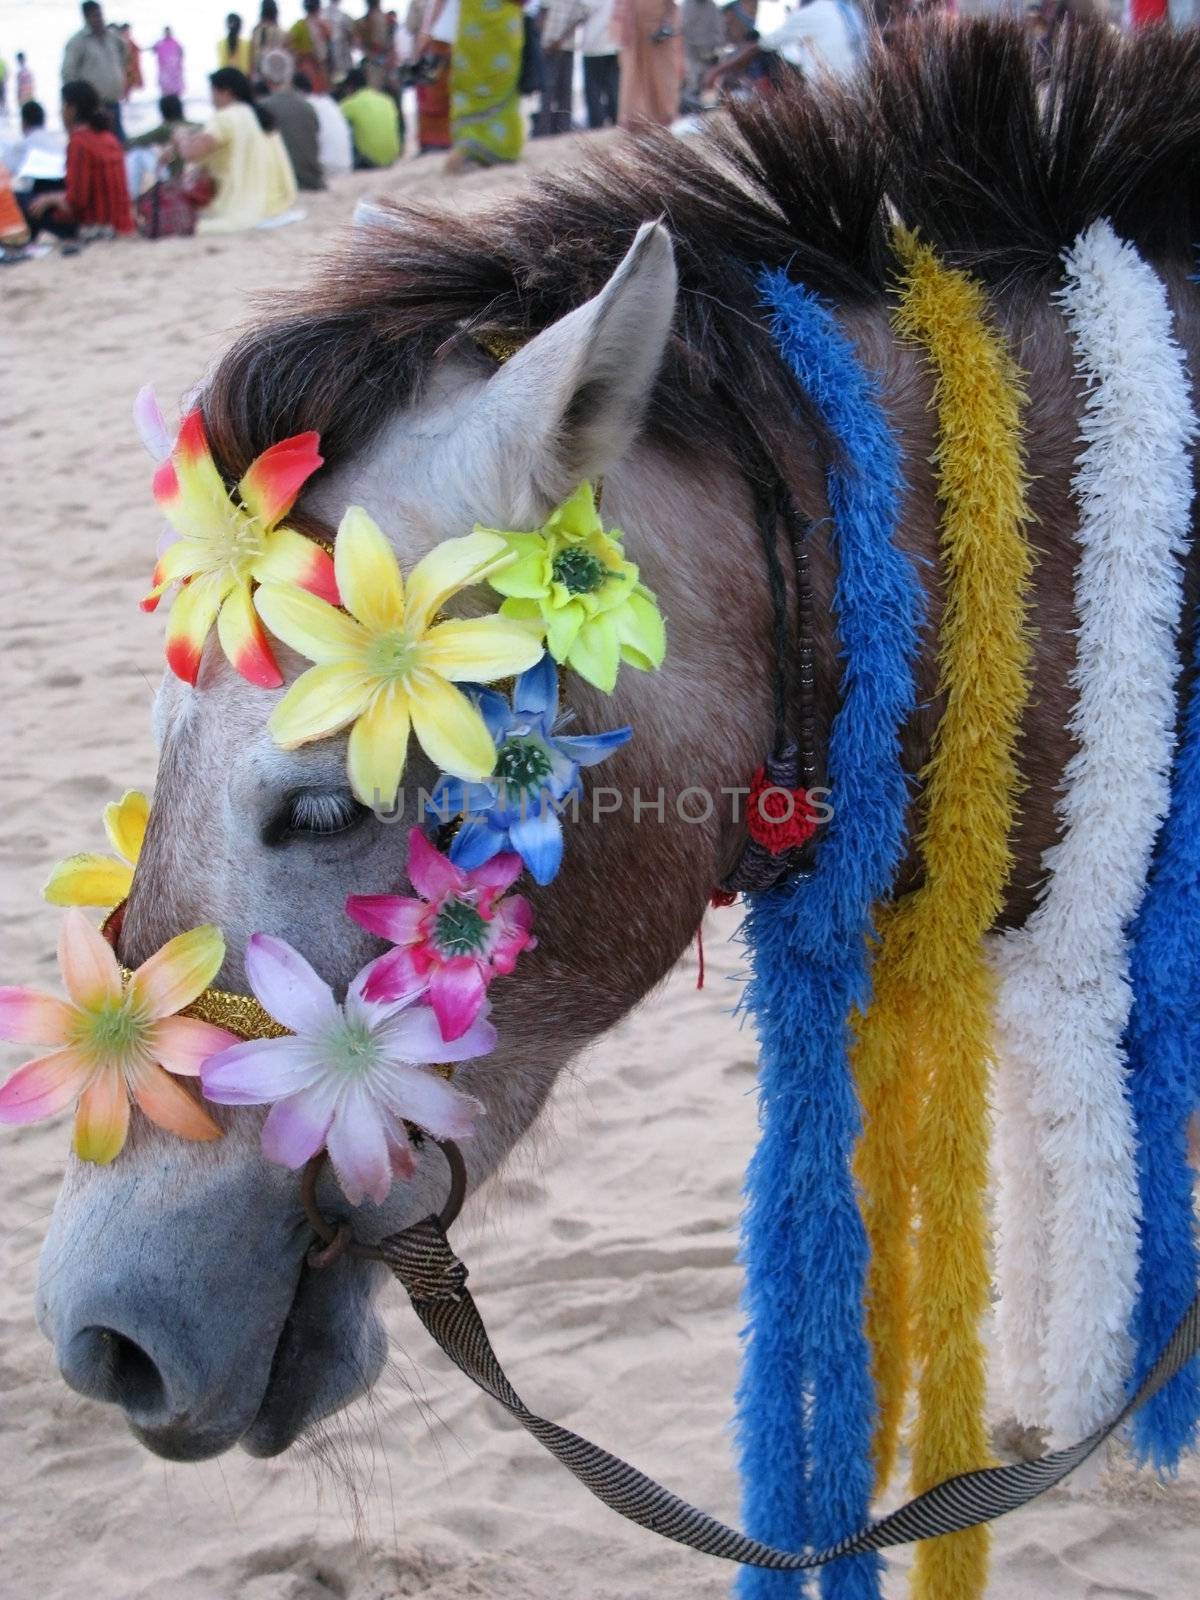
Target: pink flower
[(452, 941), (348, 1077)]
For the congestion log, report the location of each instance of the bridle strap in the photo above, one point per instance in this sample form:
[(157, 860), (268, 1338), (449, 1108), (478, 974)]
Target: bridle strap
[(436, 1281)]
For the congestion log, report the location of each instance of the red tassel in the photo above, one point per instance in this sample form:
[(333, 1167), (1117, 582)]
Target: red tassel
[(722, 897), (778, 819), (700, 956)]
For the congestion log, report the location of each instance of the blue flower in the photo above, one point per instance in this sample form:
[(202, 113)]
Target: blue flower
[(536, 777)]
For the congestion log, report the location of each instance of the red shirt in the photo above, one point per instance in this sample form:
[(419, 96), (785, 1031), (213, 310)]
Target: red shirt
[(97, 192)]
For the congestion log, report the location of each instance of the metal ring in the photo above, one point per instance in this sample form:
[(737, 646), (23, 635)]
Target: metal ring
[(336, 1239)]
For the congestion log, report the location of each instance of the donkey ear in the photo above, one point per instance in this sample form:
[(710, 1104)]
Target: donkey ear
[(572, 401)]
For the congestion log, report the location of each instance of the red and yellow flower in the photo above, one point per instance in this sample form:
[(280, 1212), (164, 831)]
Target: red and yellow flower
[(226, 546)]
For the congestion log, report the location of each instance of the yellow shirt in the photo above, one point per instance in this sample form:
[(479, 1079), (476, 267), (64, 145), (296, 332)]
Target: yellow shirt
[(252, 172), (239, 58)]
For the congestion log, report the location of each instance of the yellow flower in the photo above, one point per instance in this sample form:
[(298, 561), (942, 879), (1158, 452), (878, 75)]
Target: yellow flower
[(570, 580), (95, 880), (384, 665)]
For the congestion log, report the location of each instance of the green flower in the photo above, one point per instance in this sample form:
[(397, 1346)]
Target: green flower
[(571, 582)]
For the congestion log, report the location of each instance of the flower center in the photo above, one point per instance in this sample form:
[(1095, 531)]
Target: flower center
[(523, 764), (114, 1035), (579, 571), (459, 929), (353, 1049), (245, 544), (392, 655)]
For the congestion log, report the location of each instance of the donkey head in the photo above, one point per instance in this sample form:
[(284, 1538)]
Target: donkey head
[(173, 1281)]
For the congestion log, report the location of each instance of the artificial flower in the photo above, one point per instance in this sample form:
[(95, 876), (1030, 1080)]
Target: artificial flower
[(225, 546), (536, 774), (385, 664), (453, 940), (348, 1078), (570, 580), (96, 880), (111, 1042)]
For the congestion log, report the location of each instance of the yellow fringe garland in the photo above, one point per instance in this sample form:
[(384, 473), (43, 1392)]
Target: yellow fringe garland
[(924, 1047)]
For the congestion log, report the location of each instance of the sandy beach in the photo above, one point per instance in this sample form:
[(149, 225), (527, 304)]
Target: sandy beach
[(603, 1257)]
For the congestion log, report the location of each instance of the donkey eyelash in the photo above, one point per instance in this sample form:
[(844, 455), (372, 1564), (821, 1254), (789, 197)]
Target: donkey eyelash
[(319, 812)]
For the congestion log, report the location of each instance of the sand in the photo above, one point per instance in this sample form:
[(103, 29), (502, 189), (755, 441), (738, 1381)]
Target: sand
[(603, 1257)]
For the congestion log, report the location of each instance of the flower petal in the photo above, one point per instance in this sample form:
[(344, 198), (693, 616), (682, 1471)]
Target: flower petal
[(43, 1087), (102, 1118), (150, 424), (415, 1036), (29, 1017), (588, 748), (275, 478), (536, 690), (171, 1105), (189, 488), (449, 729), (368, 574), (429, 1101), (358, 1148), (577, 518), (183, 558), (479, 649), (431, 873), (183, 1044), (311, 626), (528, 574), (295, 1128), (392, 916), (191, 619), (87, 963), (642, 632), (244, 641), (288, 986), (125, 823), (288, 557), (378, 749), (448, 567), (596, 653), (257, 1072), (498, 872), (475, 843), (89, 880), (537, 838), (393, 976), (457, 991), (320, 702), (562, 627), (515, 919), (173, 977)]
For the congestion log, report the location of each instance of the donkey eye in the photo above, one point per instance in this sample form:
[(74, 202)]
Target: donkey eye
[(308, 812)]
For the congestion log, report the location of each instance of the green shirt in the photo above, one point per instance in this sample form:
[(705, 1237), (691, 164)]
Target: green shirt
[(375, 124)]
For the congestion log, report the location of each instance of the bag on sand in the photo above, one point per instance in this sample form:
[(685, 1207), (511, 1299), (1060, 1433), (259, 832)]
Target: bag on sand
[(166, 210)]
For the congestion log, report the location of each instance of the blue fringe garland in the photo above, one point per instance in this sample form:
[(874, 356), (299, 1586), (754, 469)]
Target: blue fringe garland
[(1163, 1053), (806, 1402)]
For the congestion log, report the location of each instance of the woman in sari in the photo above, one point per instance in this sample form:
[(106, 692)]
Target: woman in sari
[(241, 152), (648, 32), (486, 125)]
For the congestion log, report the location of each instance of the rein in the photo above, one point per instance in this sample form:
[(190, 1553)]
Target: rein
[(435, 1280)]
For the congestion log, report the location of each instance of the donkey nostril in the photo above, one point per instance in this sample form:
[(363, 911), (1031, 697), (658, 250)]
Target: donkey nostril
[(106, 1365), (137, 1382)]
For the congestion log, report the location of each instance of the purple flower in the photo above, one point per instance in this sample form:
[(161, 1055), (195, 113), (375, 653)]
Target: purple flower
[(348, 1077)]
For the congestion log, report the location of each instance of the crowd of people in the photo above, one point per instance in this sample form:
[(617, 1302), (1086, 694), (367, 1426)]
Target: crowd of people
[(297, 103)]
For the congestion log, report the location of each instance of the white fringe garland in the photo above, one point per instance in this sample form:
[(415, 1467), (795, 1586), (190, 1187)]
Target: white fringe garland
[(1068, 1196)]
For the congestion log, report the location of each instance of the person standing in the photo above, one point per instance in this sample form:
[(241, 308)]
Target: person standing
[(294, 118), (433, 46), (373, 36), (560, 21), (601, 64), (26, 89), (233, 50), (651, 61), (703, 41), (340, 33), (265, 35), (308, 40), (95, 55), (168, 52)]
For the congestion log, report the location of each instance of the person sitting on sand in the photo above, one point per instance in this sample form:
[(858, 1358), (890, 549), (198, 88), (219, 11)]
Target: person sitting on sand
[(374, 120), (96, 193), (335, 146), (37, 161), (244, 156), (295, 119), (142, 155)]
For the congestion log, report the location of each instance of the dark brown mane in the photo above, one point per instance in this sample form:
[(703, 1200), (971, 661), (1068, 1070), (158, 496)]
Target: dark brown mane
[(956, 133)]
